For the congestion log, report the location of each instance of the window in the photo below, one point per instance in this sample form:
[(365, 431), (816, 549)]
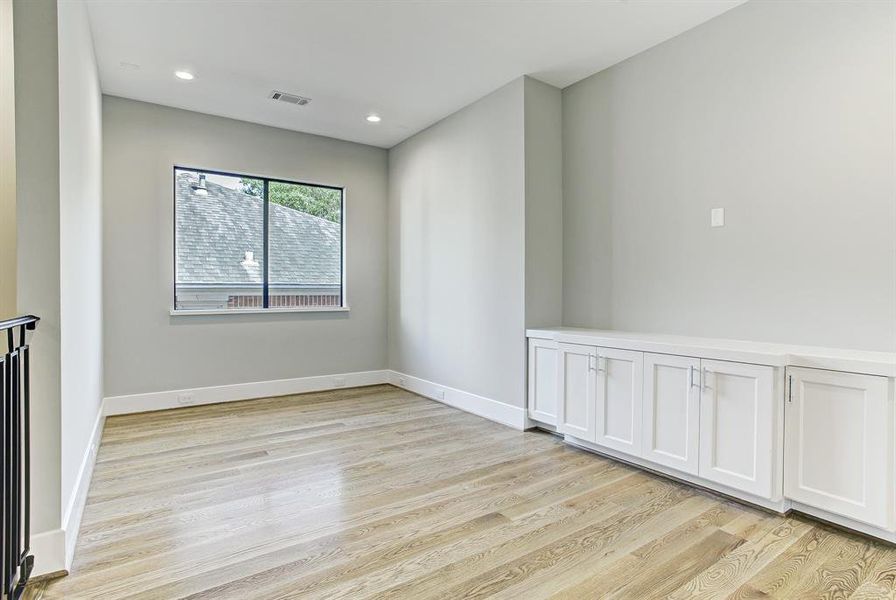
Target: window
[(244, 242)]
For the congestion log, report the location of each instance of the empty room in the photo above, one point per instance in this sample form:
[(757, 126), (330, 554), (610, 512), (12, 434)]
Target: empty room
[(448, 299)]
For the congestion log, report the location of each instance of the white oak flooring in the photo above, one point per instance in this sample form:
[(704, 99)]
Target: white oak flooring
[(378, 493)]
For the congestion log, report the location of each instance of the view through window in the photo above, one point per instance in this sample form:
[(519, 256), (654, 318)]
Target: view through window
[(245, 242)]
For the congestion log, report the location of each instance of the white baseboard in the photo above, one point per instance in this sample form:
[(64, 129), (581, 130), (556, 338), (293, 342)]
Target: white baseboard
[(505, 414), (48, 548), (71, 523), (135, 403), (512, 416)]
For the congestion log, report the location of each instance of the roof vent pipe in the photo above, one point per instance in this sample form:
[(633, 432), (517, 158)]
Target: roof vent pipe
[(249, 259), (200, 189)]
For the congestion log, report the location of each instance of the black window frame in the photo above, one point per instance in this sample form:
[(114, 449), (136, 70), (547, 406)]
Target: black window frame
[(265, 235)]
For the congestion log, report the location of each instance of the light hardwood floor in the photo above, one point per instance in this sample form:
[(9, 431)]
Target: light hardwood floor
[(378, 493)]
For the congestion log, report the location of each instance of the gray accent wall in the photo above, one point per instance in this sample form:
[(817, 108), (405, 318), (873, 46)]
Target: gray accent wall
[(782, 113), (148, 350)]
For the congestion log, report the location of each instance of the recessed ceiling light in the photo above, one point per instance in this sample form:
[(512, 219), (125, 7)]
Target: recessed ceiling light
[(374, 118), (185, 75)]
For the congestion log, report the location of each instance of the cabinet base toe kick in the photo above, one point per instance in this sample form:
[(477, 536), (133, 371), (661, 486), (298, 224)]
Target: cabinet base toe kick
[(778, 505), (781, 506), (841, 521), (743, 420)]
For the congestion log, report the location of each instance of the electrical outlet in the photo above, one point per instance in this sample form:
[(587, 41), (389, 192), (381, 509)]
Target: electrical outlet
[(339, 381), (717, 217), (185, 399), (440, 394)]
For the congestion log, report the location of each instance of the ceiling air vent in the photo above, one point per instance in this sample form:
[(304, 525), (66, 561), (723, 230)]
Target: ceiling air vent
[(289, 98)]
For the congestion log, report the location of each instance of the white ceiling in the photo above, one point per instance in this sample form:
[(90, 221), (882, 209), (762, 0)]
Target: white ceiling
[(412, 62)]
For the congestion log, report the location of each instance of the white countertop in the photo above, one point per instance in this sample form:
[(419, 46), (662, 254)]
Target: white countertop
[(763, 353)]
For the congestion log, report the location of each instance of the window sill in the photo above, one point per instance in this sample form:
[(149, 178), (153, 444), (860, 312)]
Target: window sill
[(255, 311)]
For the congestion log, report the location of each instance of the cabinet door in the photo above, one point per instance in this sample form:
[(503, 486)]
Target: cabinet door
[(672, 411), (737, 426), (838, 430), (620, 376), (543, 381), (576, 385)]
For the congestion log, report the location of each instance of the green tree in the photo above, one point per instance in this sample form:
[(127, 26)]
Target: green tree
[(325, 203)]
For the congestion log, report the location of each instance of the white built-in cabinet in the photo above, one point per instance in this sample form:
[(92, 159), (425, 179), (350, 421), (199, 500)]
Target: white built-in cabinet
[(781, 436), (598, 392), (576, 390), (839, 444), (543, 381), (618, 402), (738, 426), (672, 411)]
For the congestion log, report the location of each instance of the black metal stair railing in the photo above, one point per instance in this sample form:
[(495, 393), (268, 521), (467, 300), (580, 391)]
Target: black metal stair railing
[(15, 366)]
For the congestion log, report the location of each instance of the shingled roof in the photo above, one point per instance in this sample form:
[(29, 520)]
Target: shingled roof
[(214, 232)]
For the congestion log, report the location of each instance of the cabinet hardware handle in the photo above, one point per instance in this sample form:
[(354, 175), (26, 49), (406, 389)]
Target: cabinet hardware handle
[(790, 388), (591, 358), (691, 375), (599, 368), (706, 374)]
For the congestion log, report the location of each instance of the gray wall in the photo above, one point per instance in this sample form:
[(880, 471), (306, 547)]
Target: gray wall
[(37, 216), (7, 165), (456, 273), (148, 350), (544, 204), (81, 260), (783, 114)]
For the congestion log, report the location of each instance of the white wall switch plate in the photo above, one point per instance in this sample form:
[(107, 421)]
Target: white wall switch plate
[(717, 217)]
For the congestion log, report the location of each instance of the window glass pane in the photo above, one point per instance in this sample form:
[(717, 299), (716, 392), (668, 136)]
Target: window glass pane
[(305, 245), (219, 241)]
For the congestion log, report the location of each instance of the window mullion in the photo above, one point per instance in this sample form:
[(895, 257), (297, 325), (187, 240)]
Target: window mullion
[(265, 298)]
